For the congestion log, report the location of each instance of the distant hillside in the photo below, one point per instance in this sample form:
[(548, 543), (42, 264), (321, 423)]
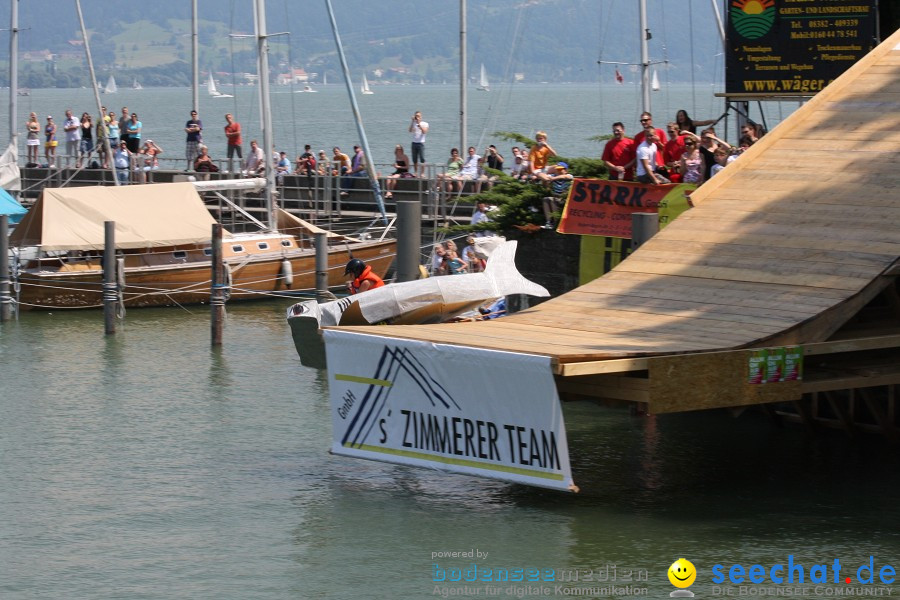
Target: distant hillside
[(402, 40)]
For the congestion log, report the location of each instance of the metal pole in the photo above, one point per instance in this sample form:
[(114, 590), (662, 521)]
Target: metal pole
[(217, 287), (719, 24), (5, 299), (370, 167), (409, 236), (262, 42), (463, 79), (645, 58), (13, 72), (90, 62), (195, 57), (321, 242), (110, 289), (643, 227)]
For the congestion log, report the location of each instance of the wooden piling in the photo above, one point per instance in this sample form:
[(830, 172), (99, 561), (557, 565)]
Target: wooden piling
[(110, 286), (321, 242), (218, 287), (409, 236), (5, 299)]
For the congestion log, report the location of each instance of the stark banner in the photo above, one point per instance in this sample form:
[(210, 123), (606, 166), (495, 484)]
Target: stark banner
[(479, 412), (795, 47), (602, 207)]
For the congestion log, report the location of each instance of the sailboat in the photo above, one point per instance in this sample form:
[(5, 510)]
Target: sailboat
[(111, 87), (483, 84), (135, 85), (655, 84), (213, 91), (365, 86), (163, 245)]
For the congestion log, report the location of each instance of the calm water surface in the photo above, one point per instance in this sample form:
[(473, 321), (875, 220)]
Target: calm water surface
[(571, 114), (147, 465)]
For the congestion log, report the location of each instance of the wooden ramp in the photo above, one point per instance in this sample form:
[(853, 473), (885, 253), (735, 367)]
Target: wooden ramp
[(785, 246)]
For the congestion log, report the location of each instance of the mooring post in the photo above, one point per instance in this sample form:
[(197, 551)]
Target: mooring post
[(110, 287), (643, 227), (217, 286), (409, 236), (321, 242), (5, 299)]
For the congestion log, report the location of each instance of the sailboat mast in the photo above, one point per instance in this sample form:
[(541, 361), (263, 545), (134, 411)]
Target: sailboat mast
[(262, 41), (90, 62), (370, 166), (13, 72), (645, 58), (463, 77), (195, 57), (719, 24)]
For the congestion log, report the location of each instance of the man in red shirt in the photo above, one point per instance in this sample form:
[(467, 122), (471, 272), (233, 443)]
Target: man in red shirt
[(647, 121), (672, 152), (233, 136), (618, 154)]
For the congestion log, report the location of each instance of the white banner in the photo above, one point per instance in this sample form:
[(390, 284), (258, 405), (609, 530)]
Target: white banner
[(479, 412)]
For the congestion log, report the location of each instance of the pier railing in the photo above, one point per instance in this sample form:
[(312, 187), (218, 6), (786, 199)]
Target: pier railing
[(314, 195)]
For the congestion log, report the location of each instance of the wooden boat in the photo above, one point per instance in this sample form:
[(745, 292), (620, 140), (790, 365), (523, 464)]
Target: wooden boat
[(163, 236)]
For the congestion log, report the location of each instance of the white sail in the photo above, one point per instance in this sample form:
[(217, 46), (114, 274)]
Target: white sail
[(365, 86), (325, 79), (111, 87), (483, 83), (655, 84), (213, 90), (135, 85), (211, 86)]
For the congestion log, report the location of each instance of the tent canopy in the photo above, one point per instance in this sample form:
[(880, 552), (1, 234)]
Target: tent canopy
[(10, 206), (146, 216)]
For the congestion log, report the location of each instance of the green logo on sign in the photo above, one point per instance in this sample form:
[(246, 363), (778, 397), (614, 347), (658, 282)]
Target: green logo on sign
[(752, 18)]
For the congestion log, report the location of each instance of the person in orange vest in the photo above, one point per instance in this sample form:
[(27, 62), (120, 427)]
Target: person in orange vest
[(365, 278)]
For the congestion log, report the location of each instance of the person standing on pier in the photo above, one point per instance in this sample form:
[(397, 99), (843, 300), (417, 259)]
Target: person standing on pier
[(33, 141), (233, 135), (418, 128), (50, 143), (193, 128), (73, 133), (123, 125)]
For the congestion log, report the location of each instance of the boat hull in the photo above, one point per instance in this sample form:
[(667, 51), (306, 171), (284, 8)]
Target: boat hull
[(252, 277)]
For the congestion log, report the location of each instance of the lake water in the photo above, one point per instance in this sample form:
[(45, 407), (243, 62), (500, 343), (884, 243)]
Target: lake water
[(570, 114), (147, 465)]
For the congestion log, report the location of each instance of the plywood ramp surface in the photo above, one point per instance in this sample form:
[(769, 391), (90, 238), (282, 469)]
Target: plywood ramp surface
[(784, 244)]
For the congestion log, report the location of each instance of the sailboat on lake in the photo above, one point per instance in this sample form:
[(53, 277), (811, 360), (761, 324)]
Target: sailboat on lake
[(213, 90), (483, 83), (365, 86), (111, 87), (136, 85)]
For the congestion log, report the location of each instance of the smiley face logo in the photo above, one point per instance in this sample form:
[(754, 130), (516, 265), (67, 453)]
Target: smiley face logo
[(682, 573)]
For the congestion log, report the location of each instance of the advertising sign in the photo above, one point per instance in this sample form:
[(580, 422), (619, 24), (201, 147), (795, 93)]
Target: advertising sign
[(794, 47), (460, 409), (604, 207)]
